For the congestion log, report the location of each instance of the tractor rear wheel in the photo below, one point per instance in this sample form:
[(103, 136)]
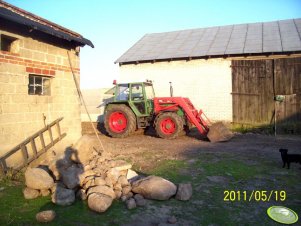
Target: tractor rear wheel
[(119, 121), (168, 125)]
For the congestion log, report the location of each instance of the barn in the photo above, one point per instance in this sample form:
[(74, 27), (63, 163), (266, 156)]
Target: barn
[(246, 74), (39, 61)]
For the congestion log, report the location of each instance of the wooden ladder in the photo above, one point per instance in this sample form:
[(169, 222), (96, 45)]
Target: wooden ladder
[(32, 140)]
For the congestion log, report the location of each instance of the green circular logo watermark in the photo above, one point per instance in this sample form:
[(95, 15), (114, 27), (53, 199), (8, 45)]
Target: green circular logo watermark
[(282, 214)]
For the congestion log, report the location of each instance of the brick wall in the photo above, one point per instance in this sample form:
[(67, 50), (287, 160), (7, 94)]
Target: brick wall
[(22, 114), (207, 83)]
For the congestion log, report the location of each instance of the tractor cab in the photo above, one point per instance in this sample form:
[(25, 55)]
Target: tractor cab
[(138, 96)]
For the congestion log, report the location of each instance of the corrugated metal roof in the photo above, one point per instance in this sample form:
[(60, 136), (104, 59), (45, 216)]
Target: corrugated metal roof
[(254, 38)]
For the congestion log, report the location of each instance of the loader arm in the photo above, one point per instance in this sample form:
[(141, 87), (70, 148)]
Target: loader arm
[(198, 119), (216, 132)]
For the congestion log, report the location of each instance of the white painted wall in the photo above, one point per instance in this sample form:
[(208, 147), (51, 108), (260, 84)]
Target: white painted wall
[(207, 83), (95, 100)]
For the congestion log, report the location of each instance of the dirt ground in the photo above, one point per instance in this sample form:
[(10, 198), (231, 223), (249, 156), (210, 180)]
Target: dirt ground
[(144, 145), (248, 162)]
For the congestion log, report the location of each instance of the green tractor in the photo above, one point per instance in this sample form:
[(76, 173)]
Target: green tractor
[(135, 106)]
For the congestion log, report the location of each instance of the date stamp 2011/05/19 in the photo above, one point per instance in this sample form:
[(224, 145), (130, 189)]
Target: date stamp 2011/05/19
[(254, 195)]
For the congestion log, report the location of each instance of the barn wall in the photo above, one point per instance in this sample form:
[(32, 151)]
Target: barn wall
[(206, 82), (21, 114)]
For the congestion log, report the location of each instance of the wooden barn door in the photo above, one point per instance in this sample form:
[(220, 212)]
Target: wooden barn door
[(255, 83), (288, 85), (252, 91)]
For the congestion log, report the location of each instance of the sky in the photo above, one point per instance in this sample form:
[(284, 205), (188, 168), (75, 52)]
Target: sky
[(115, 25)]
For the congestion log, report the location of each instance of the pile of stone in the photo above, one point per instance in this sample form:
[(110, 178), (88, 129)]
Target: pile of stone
[(86, 173)]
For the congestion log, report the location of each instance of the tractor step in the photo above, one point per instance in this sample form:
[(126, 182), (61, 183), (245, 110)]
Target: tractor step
[(218, 132)]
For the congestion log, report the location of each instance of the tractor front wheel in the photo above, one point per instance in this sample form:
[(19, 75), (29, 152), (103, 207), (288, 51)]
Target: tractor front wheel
[(119, 121), (168, 125)]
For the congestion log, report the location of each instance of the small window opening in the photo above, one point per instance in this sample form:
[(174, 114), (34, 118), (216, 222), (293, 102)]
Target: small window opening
[(7, 43), (39, 85)]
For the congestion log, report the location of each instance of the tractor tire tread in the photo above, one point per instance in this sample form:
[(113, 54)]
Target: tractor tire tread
[(178, 121), (131, 120)]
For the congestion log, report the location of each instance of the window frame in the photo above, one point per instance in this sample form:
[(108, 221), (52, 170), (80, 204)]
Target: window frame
[(45, 91)]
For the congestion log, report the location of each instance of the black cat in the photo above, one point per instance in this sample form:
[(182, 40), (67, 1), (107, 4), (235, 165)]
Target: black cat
[(288, 158)]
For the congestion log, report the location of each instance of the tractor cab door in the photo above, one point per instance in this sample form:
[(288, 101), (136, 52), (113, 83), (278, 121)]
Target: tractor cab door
[(150, 94), (137, 99)]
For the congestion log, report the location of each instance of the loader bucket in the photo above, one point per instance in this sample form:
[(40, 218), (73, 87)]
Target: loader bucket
[(218, 132)]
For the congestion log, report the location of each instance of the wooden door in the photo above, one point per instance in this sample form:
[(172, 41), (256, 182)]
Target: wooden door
[(252, 91)]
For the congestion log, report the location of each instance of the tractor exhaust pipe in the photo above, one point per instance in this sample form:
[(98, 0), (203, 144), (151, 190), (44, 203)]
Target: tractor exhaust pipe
[(171, 89)]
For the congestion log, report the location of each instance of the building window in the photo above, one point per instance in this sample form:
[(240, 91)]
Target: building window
[(39, 85), (8, 43)]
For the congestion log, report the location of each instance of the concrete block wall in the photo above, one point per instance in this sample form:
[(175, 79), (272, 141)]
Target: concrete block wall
[(208, 83), (22, 114)]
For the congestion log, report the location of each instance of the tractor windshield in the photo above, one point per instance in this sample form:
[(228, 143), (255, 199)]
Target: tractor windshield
[(149, 91), (122, 92)]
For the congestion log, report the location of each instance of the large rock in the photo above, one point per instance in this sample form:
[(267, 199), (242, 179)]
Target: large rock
[(140, 201), (102, 189), (123, 181), (113, 174), (70, 176), (184, 192), (84, 148), (99, 202), (37, 178), (153, 187), (63, 196), (45, 216), (99, 181), (30, 193), (131, 175)]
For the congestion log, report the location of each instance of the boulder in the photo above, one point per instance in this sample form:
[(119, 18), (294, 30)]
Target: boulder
[(109, 181), (54, 169), (153, 187), (86, 179), (123, 181), (63, 196), (140, 201), (30, 193), (45, 216), (123, 198), (37, 178), (118, 194), (184, 192), (70, 176), (117, 186), (99, 202), (131, 175), (84, 149), (113, 174), (99, 181), (126, 190), (131, 203), (102, 189)]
